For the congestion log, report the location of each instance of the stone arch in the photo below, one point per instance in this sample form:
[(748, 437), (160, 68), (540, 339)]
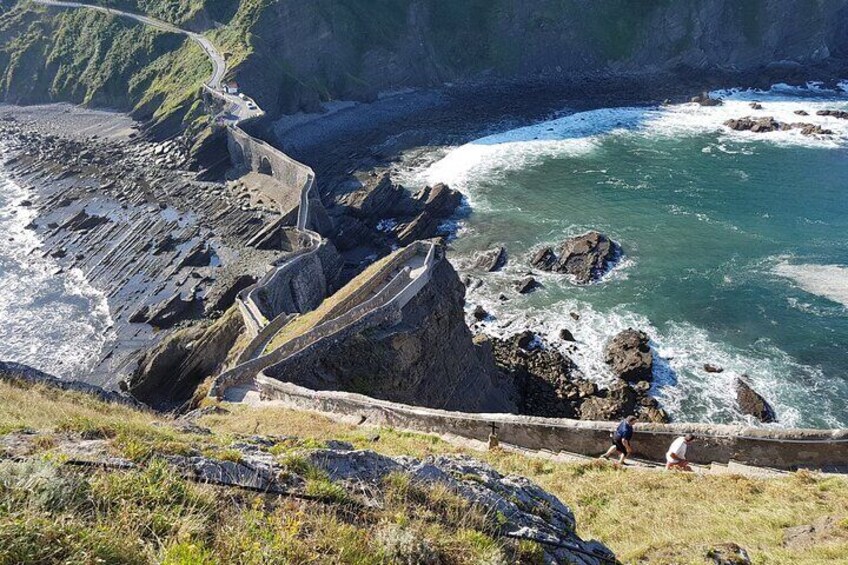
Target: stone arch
[(237, 157), (265, 166)]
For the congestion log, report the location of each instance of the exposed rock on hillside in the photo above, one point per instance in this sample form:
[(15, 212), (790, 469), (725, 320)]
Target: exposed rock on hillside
[(629, 355), (168, 374), (586, 257), (752, 403)]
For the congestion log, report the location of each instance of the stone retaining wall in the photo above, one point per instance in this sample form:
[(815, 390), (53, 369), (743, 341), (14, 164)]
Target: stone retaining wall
[(766, 447)]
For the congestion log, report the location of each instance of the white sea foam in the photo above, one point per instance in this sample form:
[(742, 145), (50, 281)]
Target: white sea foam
[(581, 133), (680, 383), (49, 319), (828, 281)]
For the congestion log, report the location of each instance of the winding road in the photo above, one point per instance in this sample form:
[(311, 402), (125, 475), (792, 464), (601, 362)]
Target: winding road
[(238, 109)]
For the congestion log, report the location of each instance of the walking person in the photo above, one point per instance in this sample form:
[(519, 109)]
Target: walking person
[(621, 440), (675, 459)]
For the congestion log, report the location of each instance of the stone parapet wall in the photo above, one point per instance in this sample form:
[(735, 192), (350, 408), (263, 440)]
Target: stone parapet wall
[(766, 447), (383, 308)]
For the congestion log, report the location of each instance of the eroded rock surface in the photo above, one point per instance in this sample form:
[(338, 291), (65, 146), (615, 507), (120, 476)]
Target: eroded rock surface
[(752, 403), (585, 257), (629, 356)]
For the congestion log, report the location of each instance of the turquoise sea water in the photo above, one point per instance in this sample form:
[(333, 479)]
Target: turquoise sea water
[(736, 245)]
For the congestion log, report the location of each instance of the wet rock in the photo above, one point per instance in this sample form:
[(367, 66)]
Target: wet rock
[(480, 313), (585, 257), (704, 99), (629, 356), (526, 340), (526, 285), (813, 129), (566, 335), (752, 403), (841, 114), (756, 106), (491, 260), (756, 125), (802, 112), (710, 368), (728, 554)]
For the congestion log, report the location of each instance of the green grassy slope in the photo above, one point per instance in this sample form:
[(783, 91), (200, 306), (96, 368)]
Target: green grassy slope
[(53, 514)]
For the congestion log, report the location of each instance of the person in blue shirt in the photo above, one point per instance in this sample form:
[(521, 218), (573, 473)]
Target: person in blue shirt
[(621, 440)]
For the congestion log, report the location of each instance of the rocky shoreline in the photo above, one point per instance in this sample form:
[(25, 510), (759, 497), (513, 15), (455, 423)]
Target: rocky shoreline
[(186, 248), (166, 250)]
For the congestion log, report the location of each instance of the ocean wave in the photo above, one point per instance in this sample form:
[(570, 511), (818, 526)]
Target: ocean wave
[(51, 319), (827, 281), (683, 388), (581, 133)]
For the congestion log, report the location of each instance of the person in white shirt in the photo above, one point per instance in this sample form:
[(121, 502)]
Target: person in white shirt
[(676, 456)]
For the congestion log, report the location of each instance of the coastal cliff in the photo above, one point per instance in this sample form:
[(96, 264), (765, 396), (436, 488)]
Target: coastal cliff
[(291, 56)]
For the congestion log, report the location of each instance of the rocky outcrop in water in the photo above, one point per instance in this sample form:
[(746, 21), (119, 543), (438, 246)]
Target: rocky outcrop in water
[(550, 384), (752, 403), (769, 124), (629, 356), (704, 99), (585, 257), (841, 114), (381, 210), (491, 260)]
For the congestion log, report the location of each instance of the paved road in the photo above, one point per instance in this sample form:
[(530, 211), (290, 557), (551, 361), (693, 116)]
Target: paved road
[(237, 108)]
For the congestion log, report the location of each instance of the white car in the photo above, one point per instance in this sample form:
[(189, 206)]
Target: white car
[(242, 96)]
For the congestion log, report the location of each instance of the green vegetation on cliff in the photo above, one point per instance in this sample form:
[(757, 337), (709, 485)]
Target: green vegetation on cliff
[(91, 58), (55, 514)]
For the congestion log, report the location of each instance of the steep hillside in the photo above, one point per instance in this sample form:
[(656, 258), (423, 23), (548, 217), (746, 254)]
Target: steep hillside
[(291, 55), (141, 506)]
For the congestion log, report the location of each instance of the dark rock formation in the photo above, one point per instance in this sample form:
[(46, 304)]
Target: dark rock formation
[(704, 99), (566, 335), (752, 403), (167, 375), (480, 313), (492, 260), (629, 356), (756, 125), (756, 106), (841, 114), (526, 285), (802, 113), (710, 368), (586, 257), (769, 124), (380, 208), (549, 384)]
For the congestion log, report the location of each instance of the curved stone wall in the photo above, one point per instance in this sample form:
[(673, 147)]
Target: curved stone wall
[(788, 449), (383, 308)]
